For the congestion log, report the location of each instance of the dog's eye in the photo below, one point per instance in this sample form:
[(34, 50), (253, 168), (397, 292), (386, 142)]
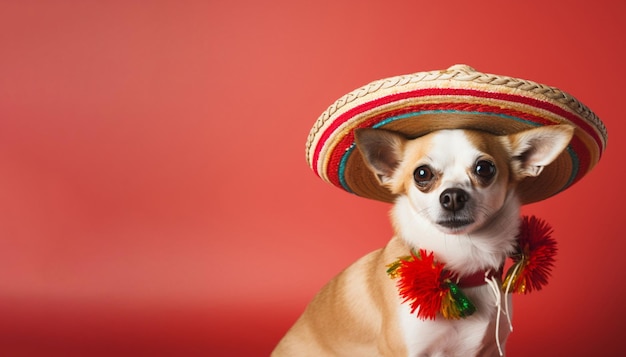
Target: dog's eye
[(485, 169), (423, 175)]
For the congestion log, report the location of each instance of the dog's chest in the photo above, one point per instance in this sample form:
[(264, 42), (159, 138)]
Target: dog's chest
[(472, 336)]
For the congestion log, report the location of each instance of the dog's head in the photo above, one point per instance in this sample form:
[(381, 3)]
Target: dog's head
[(458, 179)]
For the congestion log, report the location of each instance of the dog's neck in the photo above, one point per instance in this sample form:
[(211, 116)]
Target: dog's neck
[(484, 249)]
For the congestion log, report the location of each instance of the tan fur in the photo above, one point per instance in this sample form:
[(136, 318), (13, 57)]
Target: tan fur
[(498, 153), (353, 315), (358, 312), (413, 153)]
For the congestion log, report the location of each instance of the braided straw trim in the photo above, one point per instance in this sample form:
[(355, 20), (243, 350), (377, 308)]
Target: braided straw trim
[(461, 73)]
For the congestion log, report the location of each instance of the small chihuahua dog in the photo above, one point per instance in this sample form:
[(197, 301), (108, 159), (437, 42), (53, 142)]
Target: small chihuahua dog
[(456, 196)]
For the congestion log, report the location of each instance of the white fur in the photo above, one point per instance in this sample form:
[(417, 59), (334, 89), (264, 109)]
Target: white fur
[(483, 249), (455, 338)]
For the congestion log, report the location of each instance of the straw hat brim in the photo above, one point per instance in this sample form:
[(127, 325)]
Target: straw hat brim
[(459, 97)]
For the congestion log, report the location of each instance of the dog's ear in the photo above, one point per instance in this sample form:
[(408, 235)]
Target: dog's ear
[(536, 148), (382, 151)]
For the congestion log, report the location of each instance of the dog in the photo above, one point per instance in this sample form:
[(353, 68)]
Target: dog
[(457, 197)]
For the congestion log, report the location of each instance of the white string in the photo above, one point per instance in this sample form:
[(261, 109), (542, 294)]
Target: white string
[(493, 284), (506, 293)]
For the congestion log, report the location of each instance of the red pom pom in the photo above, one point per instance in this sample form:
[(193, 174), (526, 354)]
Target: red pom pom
[(422, 283), (534, 258)]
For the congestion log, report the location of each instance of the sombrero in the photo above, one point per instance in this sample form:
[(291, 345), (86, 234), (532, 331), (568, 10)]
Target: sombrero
[(459, 97)]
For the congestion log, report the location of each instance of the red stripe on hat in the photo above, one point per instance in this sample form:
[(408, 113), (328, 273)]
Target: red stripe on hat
[(453, 92)]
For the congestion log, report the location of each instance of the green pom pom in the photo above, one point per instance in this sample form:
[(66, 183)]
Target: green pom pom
[(456, 305)]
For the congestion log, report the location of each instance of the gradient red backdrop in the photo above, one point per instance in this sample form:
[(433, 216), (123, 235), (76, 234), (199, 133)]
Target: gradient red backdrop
[(154, 193)]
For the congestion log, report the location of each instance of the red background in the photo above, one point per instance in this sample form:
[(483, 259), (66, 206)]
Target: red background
[(154, 193)]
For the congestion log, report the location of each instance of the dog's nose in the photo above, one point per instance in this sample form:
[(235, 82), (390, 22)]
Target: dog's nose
[(453, 199)]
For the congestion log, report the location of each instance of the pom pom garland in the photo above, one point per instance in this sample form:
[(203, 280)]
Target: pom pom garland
[(428, 287)]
